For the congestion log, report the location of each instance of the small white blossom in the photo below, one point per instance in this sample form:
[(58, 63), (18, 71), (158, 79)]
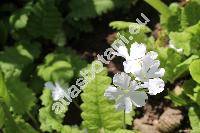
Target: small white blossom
[(143, 65), (57, 91), (154, 86), (125, 93)]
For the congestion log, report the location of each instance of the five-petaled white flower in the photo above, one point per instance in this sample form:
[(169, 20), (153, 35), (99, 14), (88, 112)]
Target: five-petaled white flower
[(125, 93), (57, 91), (144, 66)]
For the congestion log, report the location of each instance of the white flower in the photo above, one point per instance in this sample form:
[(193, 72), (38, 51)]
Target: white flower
[(126, 93), (57, 91), (133, 60), (149, 68), (154, 86), (137, 51), (143, 65)]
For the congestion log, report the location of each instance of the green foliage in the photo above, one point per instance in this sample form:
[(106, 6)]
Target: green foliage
[(195, 70), (190, 13), (49, 120), (181, 17), (14, 59), (190, 42), (139, 34), (98, 112), (83, 9), (194, 119), (61, 66), (45, 19)]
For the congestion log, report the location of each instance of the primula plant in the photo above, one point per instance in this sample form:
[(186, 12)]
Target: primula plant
[(144, 73), (99, 66)]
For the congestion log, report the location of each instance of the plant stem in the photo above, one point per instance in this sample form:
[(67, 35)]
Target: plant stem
[(159, 6), (124, 120), (34, 120), (77, 105)]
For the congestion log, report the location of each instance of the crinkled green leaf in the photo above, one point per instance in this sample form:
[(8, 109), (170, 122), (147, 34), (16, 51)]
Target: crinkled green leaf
[(14, 59), (188, 40), (190, 14), (71, 129), (47, 117), (89, 8), (61, 66), (169, 59), (22, 99), (44, 20), (173, 22)]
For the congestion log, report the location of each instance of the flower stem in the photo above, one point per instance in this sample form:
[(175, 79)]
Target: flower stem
[(124, 120), (159, 6)]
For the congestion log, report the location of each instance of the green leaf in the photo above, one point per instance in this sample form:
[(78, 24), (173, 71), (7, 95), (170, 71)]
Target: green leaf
[(71, 129), (44, 20), (98, 112), (19, 19), (61, 66), (195, 70), (14, 59), (22, 98), (190, 13), (183, 67), (47, 117), (190, 42), (169, 59), (173, 22), (194, 119), (120, 131), (3, 90), (18, 125), (83, 9), (2, 117), (178, 100), (179, 41), (122, 25), (56, 68)]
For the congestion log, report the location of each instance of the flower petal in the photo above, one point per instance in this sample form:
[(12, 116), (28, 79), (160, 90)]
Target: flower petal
[(49, 85), (122, 80), (124, 103), (138, 98), (128, 105), (133, 85), (152, 54), (137, 51), (122, 51), (132, 66), (58, 92), (112, 92), (155, 86)]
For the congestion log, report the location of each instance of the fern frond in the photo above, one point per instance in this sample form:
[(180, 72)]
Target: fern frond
[(98, 112), (122, 25)]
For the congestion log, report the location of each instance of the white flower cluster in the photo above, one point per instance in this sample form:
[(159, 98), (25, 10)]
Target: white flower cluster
[(146, 72)]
